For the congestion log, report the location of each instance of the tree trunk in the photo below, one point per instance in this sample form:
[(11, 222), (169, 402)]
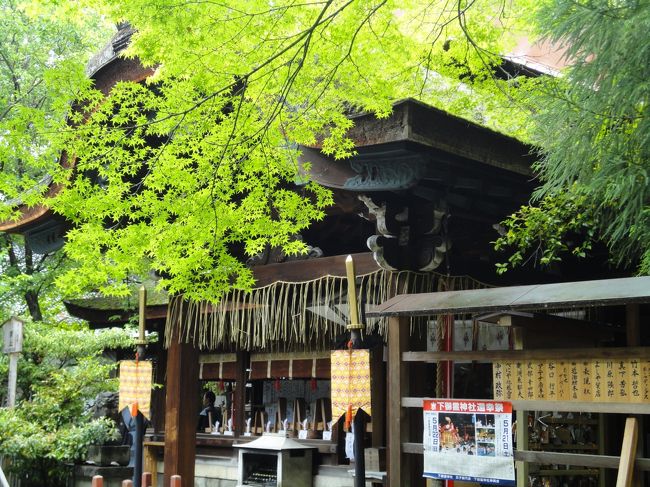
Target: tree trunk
[(31, 295), (34, 307)]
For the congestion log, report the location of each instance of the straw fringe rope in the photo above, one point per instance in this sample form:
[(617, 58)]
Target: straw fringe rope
[(275, 317)]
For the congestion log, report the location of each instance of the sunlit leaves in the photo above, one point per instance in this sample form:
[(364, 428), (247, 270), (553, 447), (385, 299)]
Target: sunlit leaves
[(178, 174), (42, 61), (192, 171)]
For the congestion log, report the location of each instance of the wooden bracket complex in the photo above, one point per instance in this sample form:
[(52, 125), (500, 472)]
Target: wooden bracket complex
[(628, 453)]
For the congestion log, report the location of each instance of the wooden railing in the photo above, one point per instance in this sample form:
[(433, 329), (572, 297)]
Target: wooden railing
[(400, 446)]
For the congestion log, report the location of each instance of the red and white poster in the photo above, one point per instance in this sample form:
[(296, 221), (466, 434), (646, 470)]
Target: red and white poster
[(469, 440)]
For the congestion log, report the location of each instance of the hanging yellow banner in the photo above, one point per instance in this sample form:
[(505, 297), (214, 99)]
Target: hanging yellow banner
[(350, 382), (588, 380), (135, 385)]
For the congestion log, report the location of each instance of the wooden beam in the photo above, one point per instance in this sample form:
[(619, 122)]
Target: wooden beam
[(181, 407), (450, 134), (578, 459), (633, 325), (541, 330), (414, 121), (297, 355), (628, 453), (108, 317), (398, 334), (305, 270), (541, 354), (542, 457), (294, 271), (564, 406)]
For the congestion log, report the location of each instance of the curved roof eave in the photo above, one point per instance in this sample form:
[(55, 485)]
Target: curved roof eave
[(106, 68)]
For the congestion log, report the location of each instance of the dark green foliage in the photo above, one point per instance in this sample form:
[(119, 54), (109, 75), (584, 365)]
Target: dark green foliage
[(59, 374), (593, 128)]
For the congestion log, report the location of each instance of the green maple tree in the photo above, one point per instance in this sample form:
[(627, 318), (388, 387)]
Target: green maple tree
[(179, 173)]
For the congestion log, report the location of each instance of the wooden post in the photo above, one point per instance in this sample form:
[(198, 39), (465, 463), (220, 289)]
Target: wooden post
[(181, 409), (98, 481), (398, 334), (522, 419), (602, 424), (147, 479), (150, 466), (628, 453), (13, 375), (633, 335), (175, 481), (158, 394), (239, 396), (447, 368), (12, 331), (633, 332), (378, 396)]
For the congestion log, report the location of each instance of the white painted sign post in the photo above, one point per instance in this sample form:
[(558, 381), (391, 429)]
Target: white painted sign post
[(13, 345), (3, 479)]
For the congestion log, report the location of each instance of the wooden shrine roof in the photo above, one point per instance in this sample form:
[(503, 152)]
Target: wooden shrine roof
[(436, 129), (421, 127), (582, 294)]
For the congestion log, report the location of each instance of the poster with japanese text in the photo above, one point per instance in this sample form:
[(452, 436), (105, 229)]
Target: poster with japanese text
[(468, 440)]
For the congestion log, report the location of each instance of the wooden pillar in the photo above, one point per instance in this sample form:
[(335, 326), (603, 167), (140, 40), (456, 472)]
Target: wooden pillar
[(239, 396), (522, 420), (378, 396), (181, 410), (398, 387), (633, 335), (158, 395), (628, 454)]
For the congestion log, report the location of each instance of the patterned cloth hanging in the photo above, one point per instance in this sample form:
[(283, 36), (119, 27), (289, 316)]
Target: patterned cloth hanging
[(135, 386), (350, 383)]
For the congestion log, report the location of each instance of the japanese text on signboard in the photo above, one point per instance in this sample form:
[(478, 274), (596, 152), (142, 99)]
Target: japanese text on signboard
[(468, 440)]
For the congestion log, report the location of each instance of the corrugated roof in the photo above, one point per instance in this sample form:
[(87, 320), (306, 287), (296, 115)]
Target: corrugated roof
[(540, 296)]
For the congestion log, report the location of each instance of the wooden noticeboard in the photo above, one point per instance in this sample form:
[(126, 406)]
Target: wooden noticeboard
[(597, 380), (13, 336)]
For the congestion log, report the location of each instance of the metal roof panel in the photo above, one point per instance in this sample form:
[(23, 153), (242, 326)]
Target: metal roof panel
[(539, 296)]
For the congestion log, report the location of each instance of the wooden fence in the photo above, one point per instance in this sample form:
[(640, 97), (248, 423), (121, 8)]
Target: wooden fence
[(147, 478)]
